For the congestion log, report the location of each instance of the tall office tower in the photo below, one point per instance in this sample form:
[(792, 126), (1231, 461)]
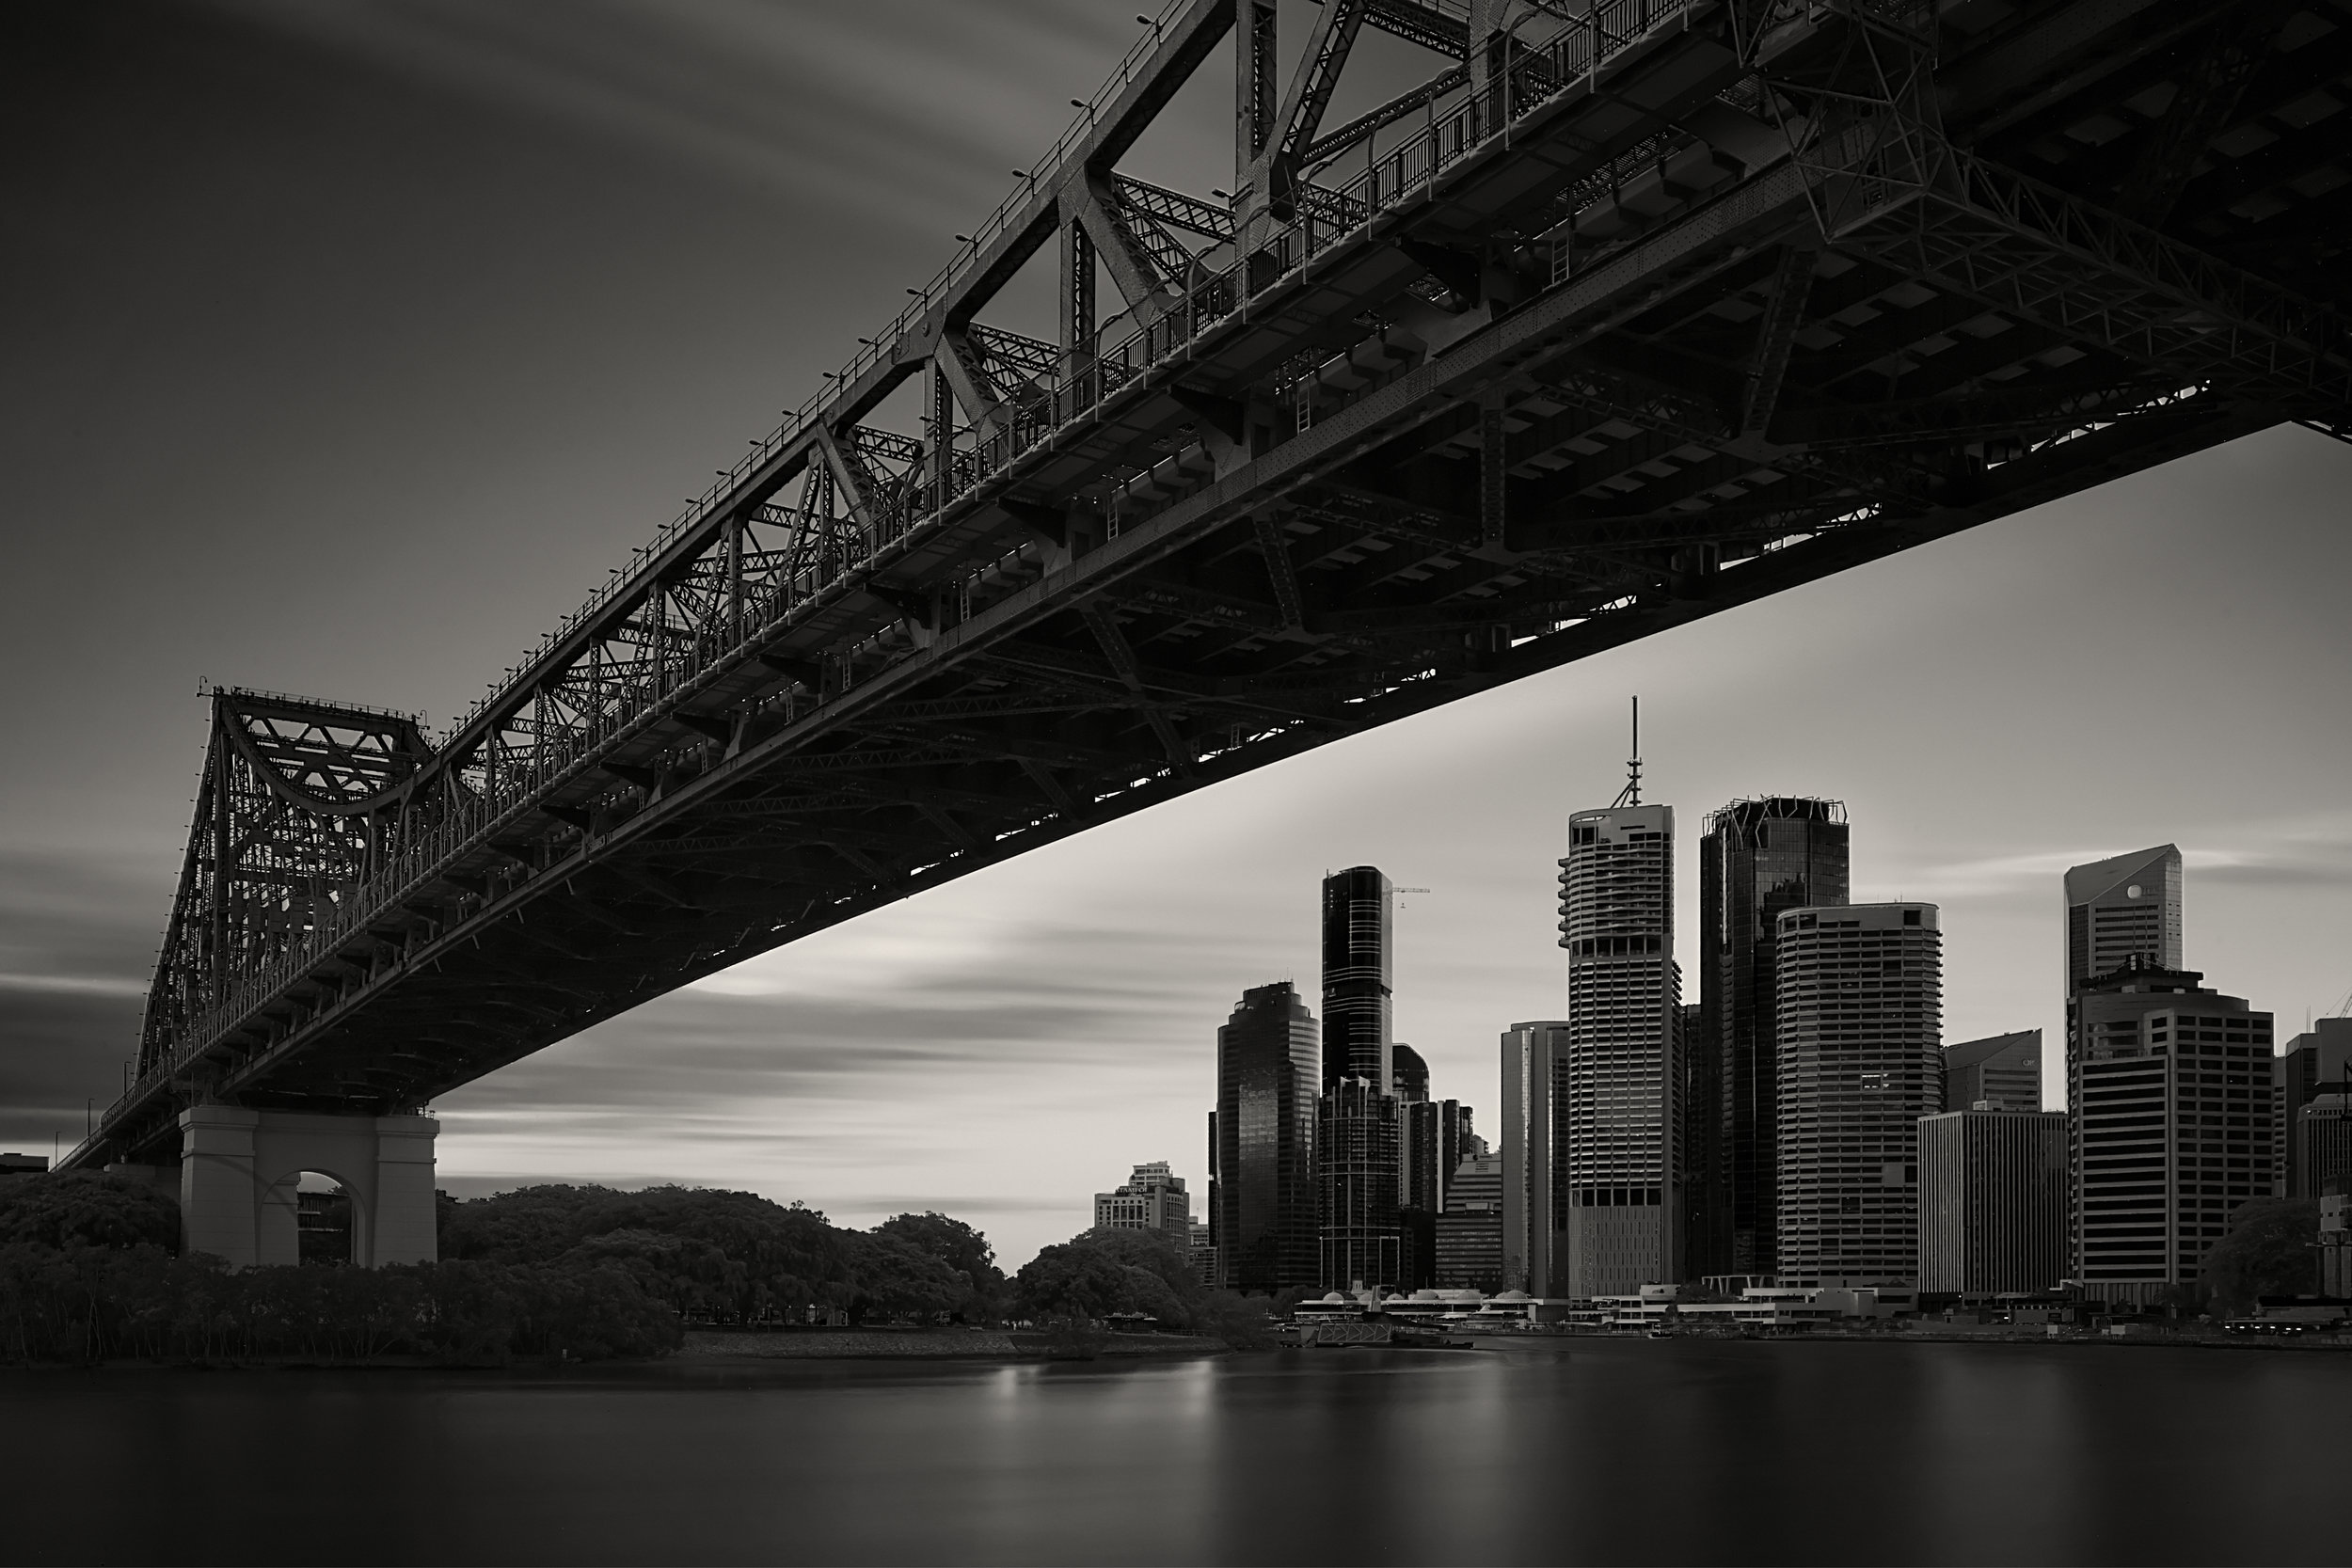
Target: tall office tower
[(1356, 975), (2315, 1063), (1991, 1201), (1619, 1124), (1435, 1139), (2123, 911), (1356, 1161), (1268, 1065), (1151, 1198), (1470, 1231), (1534, 1072), (1211, 1220), (2319, 1144), (2173, 1089), (1861, 1012), (1438, 1138), (1759, 859), (2001, 1071), (1408, 1073)]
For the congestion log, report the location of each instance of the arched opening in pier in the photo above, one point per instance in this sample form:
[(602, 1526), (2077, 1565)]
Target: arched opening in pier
[(322, 1229)]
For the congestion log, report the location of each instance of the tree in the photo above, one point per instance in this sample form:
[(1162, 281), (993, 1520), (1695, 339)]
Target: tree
[(83, 1207), (892, 1275), (530, 1225), (1241, 1321), (1071, 1279), (958, 1245), (1154, 1251), (2268, 1252), (787, 1253), (690, 1276), (771, 1254)]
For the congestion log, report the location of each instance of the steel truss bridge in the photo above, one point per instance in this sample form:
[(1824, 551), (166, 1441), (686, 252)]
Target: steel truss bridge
[(1632, 311)]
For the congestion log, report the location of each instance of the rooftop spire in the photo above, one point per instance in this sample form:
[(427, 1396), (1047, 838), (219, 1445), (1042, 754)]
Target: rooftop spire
[(1631, 794)]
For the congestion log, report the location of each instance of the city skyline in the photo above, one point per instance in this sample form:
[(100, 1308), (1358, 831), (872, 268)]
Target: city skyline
[(1952, 697)]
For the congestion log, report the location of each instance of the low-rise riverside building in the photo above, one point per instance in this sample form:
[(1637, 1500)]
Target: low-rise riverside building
[(1153, 1199)]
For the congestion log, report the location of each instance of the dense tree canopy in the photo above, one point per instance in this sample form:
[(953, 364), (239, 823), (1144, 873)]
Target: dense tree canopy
[(954, 1244), (712, 1252), (1104, 1271), (79, 1208), (2270, 1251)]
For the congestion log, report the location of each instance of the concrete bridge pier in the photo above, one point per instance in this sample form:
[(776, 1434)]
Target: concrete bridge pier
[(239, 1169)]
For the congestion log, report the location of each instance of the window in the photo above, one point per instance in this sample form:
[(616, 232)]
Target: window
[(1911, 917)]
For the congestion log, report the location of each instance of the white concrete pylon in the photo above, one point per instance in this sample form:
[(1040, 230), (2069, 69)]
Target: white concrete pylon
[(239, 1171)]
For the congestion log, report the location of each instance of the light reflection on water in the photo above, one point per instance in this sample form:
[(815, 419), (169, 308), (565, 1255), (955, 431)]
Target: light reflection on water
[(1611, 1451)]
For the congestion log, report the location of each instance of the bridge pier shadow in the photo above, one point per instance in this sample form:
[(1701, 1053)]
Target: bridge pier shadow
[(240, 1170)]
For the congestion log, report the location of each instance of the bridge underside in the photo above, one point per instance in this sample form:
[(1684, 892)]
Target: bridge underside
[(1621, 323)]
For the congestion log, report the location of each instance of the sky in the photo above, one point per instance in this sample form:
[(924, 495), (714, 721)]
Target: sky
[(343, 348)]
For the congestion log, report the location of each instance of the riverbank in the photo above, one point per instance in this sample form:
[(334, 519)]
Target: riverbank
[(2323, 1344), (924, 1345)]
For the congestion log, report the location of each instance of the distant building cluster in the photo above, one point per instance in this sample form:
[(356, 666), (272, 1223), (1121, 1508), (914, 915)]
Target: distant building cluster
[(1332, 1167), (1799, 1133)]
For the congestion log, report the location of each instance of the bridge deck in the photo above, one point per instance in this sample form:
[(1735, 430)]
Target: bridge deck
[(1624, 320)]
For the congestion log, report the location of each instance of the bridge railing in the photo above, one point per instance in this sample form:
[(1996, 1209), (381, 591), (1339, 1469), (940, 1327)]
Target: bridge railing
[(1328, 217)]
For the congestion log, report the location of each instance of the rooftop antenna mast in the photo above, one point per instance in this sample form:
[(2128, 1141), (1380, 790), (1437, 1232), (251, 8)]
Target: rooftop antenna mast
[(1631, 794)]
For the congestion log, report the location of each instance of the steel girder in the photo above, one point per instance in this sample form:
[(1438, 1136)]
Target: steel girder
[(1627, 317)]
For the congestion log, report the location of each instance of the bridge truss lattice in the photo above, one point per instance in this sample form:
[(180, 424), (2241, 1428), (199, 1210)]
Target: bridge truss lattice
[(1631, 311)]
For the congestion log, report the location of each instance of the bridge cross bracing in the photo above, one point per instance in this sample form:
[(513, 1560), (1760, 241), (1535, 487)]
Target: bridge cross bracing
[(1632, 311)]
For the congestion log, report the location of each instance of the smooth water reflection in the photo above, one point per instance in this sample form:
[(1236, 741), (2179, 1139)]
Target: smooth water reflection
[(1609, 1451)]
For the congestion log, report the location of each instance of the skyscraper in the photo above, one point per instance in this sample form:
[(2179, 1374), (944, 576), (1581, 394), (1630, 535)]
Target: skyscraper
[(1438, 1138), (1358, 973), (1991, 1201), (1617, 1125), (1860, 1013), (2003, 1071), (1435, 1139), (1470, 1231), (2314, 1068), (2123, 911), (2173, 1089), (1356, 1147), (1408, 1075), (1268, 1067), (1758, 860), (1534, 1070), (1358, 1138)]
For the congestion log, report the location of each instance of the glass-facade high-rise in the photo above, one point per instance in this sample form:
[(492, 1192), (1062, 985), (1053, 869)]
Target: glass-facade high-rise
[(1358, 973), (1408, 1076), (1268, 1064), (1357, 1150), (1437, 1138), (1534, 1081), (1758, 859), (1617, 1127), (1359, 1136), (2123, 911)]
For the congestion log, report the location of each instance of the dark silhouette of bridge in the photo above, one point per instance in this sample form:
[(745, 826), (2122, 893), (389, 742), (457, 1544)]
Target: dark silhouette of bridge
[(1634, 311)]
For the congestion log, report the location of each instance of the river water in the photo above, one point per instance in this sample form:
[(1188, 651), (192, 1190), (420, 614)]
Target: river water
[(1595, 1452)]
